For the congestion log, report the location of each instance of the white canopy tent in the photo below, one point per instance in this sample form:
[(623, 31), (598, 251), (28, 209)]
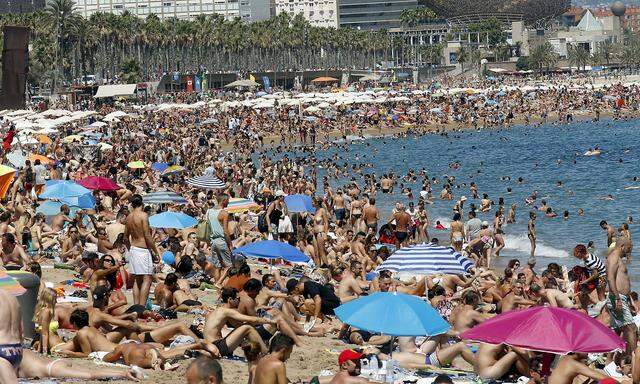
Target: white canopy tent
[(115, 90)]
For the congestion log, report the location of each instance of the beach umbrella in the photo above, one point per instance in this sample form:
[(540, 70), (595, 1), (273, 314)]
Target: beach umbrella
[(86, 201), (98, 183), (17, 158), (206, 182), (44, 139), (272, 249), (176, 220), (299, 203), (63, 189), (547, 329), (52, 208), (10, 285), (43, 159), (6, 178), (71, 138), (394, 314), (173, 168), (238, 204), (163, 197), (427, 259), (105, 146), (138, 164), (160, 167), (242, 83), (324, 79)]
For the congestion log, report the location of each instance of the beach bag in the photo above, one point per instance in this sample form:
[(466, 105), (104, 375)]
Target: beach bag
[(203, 231)]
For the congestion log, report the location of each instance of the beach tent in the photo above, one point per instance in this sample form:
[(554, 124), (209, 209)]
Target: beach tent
[(6, 178), (547, 329), (427, 259), (272, 249), (115, 90), (394, 314)]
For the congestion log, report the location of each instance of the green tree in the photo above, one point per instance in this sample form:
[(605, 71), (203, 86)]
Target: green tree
[(413, 17), (578, 55), (490, 29), (543, 56), (462, 55), (130, 71)]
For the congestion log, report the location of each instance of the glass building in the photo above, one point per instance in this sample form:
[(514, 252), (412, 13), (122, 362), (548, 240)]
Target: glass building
[(372, 14)]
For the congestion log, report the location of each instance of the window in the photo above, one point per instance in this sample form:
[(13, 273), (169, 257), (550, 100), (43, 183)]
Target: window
[(167, 4), (118, 6)]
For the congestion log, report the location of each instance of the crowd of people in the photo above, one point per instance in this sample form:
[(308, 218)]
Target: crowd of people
[(155, 296)]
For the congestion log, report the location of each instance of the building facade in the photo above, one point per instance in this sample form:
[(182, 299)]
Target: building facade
[(372, 14), (247, 10), (21, 6), (320, 13)]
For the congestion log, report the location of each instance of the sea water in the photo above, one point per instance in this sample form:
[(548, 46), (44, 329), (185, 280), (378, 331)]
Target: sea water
[(542, 156)]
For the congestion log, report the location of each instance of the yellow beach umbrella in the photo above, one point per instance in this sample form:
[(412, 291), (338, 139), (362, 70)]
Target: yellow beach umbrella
[(173, 168), (44, 139), (136, 164), (71, 138), (6, 177), (43, 159)]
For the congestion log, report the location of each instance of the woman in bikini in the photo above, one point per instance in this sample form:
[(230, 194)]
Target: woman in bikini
[(498, 232), (457, 232), (320, 230)]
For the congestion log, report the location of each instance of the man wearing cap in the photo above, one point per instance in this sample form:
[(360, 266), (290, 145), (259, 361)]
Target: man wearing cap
[(349, 362)]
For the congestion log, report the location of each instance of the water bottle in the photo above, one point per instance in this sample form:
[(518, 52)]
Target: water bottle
[(391, 374), (373, 366)]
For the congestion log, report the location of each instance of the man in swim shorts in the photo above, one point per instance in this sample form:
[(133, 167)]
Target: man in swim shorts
[(10, 338)]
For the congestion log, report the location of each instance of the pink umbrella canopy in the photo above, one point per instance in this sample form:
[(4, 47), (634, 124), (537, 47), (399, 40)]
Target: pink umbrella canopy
[(99, 183), (547, 329)]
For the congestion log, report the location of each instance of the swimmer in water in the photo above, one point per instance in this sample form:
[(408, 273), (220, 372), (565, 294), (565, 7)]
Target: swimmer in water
[(531, 233)]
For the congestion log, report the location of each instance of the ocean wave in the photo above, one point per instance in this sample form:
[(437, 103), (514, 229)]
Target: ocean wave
[(520, 243)]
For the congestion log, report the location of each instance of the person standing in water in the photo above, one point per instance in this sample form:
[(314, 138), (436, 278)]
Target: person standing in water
[(532, 234)]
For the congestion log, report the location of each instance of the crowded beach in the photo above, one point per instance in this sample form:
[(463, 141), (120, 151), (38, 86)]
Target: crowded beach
[(177, 241)]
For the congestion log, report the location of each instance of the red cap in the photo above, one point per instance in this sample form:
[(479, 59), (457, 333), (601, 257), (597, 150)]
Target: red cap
[(608, 380), (349, 354)]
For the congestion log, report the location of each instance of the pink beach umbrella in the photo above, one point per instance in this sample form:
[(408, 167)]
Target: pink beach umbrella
[(547, 329), (99, 183)]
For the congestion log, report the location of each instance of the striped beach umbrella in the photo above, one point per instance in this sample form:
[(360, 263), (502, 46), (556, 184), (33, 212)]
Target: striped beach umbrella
[(10, 284), (206, 182), (163, 197), (238, 204), (427, 259)]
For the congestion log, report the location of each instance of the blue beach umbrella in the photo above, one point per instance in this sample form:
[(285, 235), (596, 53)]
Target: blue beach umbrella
[(427, 259), (299, 203), (63, 189), (176, 220), (393, 314), (272, 249), (86, 201), (160, 167)]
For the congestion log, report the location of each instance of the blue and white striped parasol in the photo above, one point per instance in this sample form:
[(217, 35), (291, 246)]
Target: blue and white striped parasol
[(427, 259), (163, 197), (206, 182)]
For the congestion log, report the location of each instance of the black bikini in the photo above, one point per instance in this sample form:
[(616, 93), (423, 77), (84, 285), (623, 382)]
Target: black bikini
[(12, 353)]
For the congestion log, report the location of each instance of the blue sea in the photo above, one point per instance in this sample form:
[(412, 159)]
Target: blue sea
[(542, 156)]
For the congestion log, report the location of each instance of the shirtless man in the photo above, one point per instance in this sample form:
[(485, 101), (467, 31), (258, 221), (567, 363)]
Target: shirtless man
[(619, 302), (71, 246), (339, 207), (515, 299), (570, 367), (371, 215), (611, 232), (495, 361), (177, 297), (61, 219), (10, 338), (403, 219), (465, 316), (349, 287), (216, 321), (146, 355), (271, 368), (142, 251), (386, 184), (13, 255), (358, 251), (555, 297), (349, 362)]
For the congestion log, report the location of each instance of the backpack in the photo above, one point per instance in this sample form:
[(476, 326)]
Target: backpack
[(262, 223)]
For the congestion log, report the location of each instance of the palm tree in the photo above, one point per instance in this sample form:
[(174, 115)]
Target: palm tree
[(543, 56), (463, 56), (62, 14), (578, 55)]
